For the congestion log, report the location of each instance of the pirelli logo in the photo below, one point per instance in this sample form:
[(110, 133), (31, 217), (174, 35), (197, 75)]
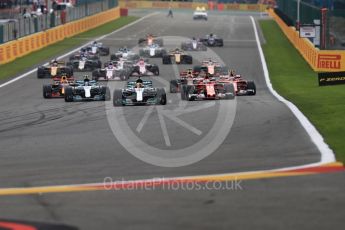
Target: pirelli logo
[(329, 61), (333, 78)]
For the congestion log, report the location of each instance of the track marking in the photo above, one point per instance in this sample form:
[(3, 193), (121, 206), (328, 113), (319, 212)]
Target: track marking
[(163, 126), (327, 155), (78, 48), (144, 119), (182, 123), (157, 182)]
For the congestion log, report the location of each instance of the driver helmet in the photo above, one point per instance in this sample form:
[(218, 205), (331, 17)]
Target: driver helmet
[(189, 73), (211, 34), (139, 83), (86, 80), (63, 78), (232, 73)]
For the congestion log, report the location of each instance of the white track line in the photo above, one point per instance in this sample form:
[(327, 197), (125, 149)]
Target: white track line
[(78, 48), (327, 154)]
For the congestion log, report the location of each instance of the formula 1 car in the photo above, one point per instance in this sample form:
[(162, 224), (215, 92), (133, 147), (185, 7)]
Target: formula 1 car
[(85, 64), (200, 13), (212, 40), (211, 67), (242, 86), (57, 88), (55, 69), (149, 40), (83, 53), (153, 50), (186, 78), (207, 89), (139, 93), (193, 45), (126, 53), (111, 72), (177, 56), (98, 48), (122, 63), (142, 68), (87, 90)]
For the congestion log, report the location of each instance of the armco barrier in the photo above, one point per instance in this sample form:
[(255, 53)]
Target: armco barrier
[(22, 46), (319, 60), (189, 5)]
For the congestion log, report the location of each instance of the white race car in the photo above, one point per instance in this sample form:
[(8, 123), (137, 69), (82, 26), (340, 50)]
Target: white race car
[(200, 13), (125, 53), (151, 51)]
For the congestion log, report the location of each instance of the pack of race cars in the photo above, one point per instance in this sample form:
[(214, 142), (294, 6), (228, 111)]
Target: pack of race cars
[(210, 80)]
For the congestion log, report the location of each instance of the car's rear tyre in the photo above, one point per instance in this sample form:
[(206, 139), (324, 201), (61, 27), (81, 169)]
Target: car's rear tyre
[(188, 60), (47, 91), (173, 86), (166, 60), (117, 98), (40, 72), (189, 90), (155, 70), (105, 51), (251, 88), (113, 57), (106, 93), (229, 91), (183, 92), (122, 74), (142, 42), (68, 94), (69, 71), (99, 64), (159, 42), (95, 75), (161, 96), (141, 53), (70, 65), (197, 68)]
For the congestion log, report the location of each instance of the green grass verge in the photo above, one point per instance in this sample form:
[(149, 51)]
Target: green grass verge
[(26, 62), (292, 77)]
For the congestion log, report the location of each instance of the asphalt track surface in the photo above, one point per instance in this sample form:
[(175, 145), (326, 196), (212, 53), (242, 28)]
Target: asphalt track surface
[(50, 142)]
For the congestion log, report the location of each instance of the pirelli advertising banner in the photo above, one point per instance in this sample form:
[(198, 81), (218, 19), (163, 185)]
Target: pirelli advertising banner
[(334, 78), (330, 61)]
